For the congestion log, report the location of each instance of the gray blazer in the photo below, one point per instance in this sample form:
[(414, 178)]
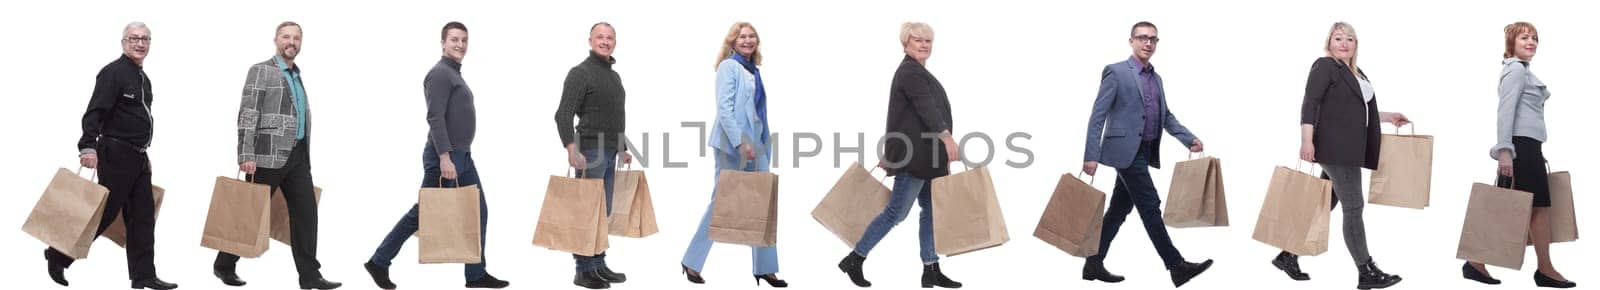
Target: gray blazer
[(267, 120), (1521, 111), (1118, 119)]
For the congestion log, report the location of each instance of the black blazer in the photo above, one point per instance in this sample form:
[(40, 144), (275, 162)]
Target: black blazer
[(917, 105), (1346, 129)]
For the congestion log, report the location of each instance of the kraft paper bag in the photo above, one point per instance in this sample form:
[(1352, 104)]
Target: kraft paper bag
[(117, 232), (1405, 171), (1563, 215), (1072, 218), (1495, 231), (744, 209), (239, 220), (1294, 216), (853, 202), (966, 213), (1197, 197), (449, 230), (280, 214), (633, 214), (573, 217), (68, 213)]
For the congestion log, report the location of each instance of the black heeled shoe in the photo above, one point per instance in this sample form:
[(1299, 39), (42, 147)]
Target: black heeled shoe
[(1545, 281), (1470, 273), (1290, 264), (851, 265), (694, 277), (772, 280)]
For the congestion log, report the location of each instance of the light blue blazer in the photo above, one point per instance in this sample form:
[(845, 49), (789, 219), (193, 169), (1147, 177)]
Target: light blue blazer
[(737, 122), (1117, 121)]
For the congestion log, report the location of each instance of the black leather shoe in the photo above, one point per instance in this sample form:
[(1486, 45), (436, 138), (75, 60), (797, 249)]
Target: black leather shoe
[(694, 277), (851, 265), (57, 271), (772, 280), (380, 275), (488, 281), (1547, 282), (1093, 271), (1290, 264), (154, 283), (228, 277), (932, 276), (611, 277), (319, 283), (1185, 271), (590, 280), (1373, 278), (1470, 273)]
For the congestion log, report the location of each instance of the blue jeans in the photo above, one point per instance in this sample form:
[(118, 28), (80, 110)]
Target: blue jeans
[(1135, 189), (907, 188), (602, 165), (466, 174), (763, 260)]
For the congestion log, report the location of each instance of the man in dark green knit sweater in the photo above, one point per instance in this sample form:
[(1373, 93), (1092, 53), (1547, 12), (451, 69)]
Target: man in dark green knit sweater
[(593, 94)]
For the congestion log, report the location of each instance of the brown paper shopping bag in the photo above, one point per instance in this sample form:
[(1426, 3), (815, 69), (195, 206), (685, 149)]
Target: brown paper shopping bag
[(1294, 216), (633, 213), (280, 214), (851, 204), (117, 232), (966, 213), (68, 213), (573, 216), (1405, 171), (1072, 217), (1495, 231), (744, 210), (238, 221), (1563, 215), (1197, 197), (449, 230)]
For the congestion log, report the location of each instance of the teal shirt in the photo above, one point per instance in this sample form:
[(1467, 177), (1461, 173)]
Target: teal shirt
[(292, 75)]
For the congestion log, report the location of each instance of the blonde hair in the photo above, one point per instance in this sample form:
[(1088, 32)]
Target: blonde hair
[(1349, 31), (914, 28), (733, 35), (1512, 31)]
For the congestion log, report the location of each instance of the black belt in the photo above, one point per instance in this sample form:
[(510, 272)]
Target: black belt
[(141, 149)]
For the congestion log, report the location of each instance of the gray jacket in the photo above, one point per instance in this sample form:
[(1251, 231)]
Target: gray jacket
[(1521, 111), (267, 120)]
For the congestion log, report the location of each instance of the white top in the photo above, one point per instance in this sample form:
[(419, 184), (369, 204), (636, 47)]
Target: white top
[(1366, 97)]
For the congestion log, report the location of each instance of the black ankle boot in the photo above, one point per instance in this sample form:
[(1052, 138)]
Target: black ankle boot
[(1096, 270), (1290, 264), (851, 265), (591, 280), (1373, 278), (933, 276)]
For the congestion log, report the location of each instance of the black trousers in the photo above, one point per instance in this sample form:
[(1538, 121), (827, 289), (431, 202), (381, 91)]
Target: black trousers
[(126, 172), (294, 180)]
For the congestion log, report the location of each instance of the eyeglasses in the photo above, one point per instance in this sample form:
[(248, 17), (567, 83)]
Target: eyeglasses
[(137, 39), (1147, 39)]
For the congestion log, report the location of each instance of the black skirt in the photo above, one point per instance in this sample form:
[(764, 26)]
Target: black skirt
[(1529, 168)]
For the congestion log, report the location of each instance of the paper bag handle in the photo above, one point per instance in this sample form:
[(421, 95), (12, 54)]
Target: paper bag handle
[(1091, 177), (1302, 162), (93, 173), (1413, 126), (251, 178), (1192, 154)]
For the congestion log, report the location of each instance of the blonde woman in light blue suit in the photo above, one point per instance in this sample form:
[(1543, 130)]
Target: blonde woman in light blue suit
[(740, 139)]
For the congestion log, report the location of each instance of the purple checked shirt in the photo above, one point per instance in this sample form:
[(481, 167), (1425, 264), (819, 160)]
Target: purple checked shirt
[(1152, 95)]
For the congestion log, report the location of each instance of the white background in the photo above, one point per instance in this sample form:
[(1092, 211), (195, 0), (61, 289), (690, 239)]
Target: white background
[(1234, 72)]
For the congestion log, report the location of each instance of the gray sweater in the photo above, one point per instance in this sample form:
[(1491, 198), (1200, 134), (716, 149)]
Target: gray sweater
[(1521, 111), (593, 94), (452, 119)]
